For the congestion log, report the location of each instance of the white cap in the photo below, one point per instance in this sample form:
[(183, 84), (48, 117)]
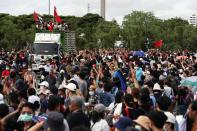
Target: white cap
[(1, 99), (32, 99), (62, 71), (157, 87), (61, 87), (44, 83), (71, 86), (41, 66), (171, 117)]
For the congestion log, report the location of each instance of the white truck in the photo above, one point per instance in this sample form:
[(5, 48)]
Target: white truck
[(45, 46)]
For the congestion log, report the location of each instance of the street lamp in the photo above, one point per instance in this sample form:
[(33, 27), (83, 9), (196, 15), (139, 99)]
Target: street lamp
[(147, 39)]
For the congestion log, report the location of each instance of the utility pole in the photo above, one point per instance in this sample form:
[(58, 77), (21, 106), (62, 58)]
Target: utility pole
[(49, 7), (102, 8), (88, 8)]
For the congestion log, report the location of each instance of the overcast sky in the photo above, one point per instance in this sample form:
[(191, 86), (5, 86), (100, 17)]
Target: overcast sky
[(115, 9)]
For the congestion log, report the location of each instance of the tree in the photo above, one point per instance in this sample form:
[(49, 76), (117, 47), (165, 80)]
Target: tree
[(138, 26), (107, 33)]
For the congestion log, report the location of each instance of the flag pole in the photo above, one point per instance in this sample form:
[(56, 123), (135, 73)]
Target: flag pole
[(49, 6)]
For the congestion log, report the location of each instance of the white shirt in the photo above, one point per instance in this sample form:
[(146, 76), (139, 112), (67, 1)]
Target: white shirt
[(117, 110), (168, 91), (100, 126)]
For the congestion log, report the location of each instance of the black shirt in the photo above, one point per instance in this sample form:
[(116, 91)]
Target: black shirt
[(78, 118)]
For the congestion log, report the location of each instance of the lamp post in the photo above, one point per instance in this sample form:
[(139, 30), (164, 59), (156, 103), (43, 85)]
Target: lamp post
[(147, 39)]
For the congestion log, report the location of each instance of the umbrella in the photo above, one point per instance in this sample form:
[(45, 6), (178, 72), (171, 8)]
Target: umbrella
[(139, 53), (190, 81)]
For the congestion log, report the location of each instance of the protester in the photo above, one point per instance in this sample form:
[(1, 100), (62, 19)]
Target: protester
[(158, 119), (77, 117), (99, 90), (142, 123), (192, 114), (98, 119), (123, 123)]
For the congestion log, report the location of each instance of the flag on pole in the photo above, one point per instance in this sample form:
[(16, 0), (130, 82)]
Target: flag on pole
[(35, 17), (158, 44), (56, 16)]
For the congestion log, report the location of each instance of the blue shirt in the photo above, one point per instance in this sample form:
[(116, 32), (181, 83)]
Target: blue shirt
[(106, 98)]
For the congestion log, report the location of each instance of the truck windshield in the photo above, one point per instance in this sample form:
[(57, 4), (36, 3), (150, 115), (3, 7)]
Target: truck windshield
[(45, 48)]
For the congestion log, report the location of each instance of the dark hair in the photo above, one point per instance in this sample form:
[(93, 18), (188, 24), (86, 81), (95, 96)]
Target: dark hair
[(4, 110), (158, 118), (1, 88), (80, 128), (82, 75), (54, 90), (95, 116), (36, 105), (117, 82), (108, 86), (53, 102), (119, 97), (128, 100), (164, 103), (194, 105), (31, 91), (29, 105), (13, 98)]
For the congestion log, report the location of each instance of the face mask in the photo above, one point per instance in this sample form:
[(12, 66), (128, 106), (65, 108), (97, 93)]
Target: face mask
[(25, 117)]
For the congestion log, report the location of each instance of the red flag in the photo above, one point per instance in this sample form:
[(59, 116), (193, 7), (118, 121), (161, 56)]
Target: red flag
[(35, 17), (56, 16), (50, 26), (158, 44)]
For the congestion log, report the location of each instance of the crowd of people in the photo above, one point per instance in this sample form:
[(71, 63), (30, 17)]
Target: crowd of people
[(99, 90)]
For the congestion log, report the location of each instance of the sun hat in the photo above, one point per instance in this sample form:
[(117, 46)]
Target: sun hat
[(144, 122)]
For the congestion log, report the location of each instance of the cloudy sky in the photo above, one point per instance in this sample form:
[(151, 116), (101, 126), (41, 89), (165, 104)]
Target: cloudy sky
[(115, 9)]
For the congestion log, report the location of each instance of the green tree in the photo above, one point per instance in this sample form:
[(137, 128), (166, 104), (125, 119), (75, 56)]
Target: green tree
[(138, 26), (107, 33)]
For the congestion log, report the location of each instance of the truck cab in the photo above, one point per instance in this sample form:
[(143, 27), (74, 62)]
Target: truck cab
[(45, 46)]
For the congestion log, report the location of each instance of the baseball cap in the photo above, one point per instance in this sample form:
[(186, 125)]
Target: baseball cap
[(45, 83), (42, 91), (99, 108), (144, 122), (70, 86), (170, 117), (32, 99), (123, 123), (61, 87)]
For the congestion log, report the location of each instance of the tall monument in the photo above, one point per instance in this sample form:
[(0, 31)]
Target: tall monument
[(103, 8)]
